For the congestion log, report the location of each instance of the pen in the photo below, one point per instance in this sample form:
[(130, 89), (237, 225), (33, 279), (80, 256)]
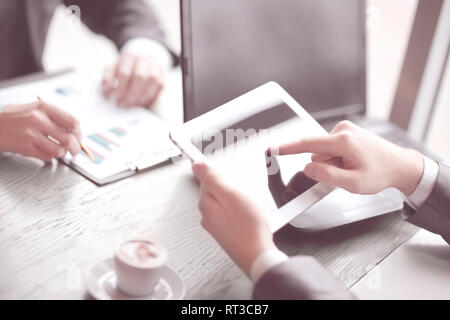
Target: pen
[(83, 147)]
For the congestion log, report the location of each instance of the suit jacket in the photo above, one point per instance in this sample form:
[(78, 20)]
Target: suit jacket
[(304, 278), (24, 24)]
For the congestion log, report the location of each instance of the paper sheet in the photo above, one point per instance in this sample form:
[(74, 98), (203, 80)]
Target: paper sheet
[(121, 139)]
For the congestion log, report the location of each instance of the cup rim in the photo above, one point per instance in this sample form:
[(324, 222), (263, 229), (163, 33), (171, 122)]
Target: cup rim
[(161, 261)]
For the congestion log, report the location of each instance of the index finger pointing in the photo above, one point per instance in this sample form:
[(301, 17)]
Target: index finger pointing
[(203, 173), (320, 144)]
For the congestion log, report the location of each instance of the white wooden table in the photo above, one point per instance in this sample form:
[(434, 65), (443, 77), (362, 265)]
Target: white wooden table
[(418, 269), (54, 225)]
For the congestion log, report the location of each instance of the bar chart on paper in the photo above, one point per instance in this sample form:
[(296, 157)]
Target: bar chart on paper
[(118, 131), (98, 158), (111, 149), (121, 149), (121, 141), (101, 144), (104, 142)]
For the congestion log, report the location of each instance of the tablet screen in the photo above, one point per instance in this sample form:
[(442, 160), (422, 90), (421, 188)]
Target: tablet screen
[(238, 145), (235, 138), (244, 125)]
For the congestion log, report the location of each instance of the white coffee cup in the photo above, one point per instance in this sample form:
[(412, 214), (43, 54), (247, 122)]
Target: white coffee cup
[(139, 265)]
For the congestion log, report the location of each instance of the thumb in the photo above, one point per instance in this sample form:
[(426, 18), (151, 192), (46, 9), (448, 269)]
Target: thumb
[(200, 170), (211, 180), (330, 174)]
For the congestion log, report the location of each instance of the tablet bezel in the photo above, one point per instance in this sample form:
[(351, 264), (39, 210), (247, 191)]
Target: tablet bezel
[(266, 95)]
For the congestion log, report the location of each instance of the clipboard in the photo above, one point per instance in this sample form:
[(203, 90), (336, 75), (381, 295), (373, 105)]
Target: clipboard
[(111, 132), (132, 167)]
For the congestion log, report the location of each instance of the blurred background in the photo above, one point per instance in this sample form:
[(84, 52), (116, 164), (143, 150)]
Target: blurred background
[(388, 28)]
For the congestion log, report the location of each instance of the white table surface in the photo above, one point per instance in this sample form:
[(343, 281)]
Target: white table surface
[(54, 225), (418, 269)]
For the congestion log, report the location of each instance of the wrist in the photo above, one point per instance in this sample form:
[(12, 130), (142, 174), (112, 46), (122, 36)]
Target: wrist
[(266, 261), (255, 251), (410, 171)]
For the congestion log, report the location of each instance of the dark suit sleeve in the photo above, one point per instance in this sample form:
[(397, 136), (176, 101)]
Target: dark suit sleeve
[(434, 215), (300, 277), (120, 20)]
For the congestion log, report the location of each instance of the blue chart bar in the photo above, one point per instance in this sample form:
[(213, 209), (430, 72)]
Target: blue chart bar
[(120, 132), (98, 158), (103, 141)]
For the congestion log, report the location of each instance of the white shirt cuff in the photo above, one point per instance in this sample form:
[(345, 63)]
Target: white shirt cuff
[(426, 184), (265, 261), (2, 106), (146, 46)]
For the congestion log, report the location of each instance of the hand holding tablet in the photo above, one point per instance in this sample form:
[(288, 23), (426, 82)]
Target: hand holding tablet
[(188, 149), (263, 117), (229, 213)]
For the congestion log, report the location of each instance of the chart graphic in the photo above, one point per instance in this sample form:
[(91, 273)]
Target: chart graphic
[(98, 158), (120, 132), (103, 141)]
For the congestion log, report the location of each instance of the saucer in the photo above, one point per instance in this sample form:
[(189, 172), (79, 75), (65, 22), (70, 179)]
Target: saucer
[(102, 284)]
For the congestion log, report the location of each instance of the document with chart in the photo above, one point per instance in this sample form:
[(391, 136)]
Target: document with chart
[(122, 141)]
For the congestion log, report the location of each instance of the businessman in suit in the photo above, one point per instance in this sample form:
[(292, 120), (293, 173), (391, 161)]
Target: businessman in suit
[(135, 79), (350, 158)]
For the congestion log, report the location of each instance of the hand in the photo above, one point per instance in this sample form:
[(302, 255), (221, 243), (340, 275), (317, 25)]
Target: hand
[(134, 80), (232, 219), (26, 129), (358, 161)]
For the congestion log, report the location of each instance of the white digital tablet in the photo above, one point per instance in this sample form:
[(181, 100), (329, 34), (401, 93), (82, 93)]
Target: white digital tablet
[(236, 136)]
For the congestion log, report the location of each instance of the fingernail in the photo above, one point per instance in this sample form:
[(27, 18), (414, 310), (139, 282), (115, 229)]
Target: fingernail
[(61, 154), (310, 171), (195, 166)]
